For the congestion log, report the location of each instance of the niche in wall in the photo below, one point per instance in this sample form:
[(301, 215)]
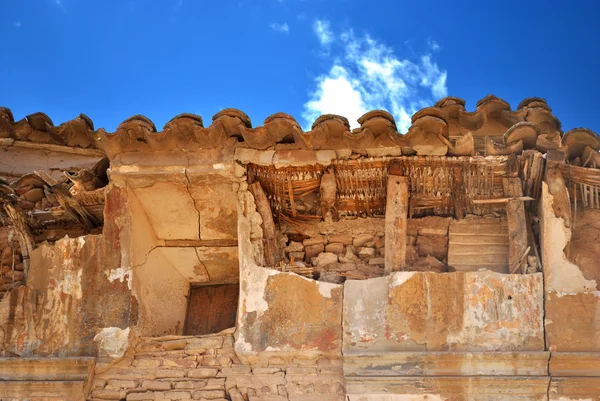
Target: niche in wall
[(211, 308)]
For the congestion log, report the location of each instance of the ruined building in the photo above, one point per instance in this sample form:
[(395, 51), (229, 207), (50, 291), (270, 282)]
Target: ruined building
[(222, 261)]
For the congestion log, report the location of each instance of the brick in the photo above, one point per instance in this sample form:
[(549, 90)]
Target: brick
[(118, 384), (169, 373), (203, 372), (109, 394), (140, 396), (209, 394), (156, 385), (312, 251)]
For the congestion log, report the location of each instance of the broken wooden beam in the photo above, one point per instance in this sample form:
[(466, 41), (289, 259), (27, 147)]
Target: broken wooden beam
[(502, 200), (269, 232), (396, 220)]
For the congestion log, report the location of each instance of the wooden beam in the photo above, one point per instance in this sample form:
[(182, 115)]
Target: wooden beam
[(517, 223), (396, 220), (502, 200), (269, 232)]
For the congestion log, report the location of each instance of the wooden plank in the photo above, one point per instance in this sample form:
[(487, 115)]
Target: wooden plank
[(515, 216), (454, 259), (465, 240), (474, 250), (479, 229), (396, 221)]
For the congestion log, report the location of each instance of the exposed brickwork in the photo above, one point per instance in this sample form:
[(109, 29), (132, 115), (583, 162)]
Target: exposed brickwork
[(207, 368)]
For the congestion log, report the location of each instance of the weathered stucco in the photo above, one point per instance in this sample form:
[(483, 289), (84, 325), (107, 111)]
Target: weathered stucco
[(282, 313), (410, 311), (559, 273)]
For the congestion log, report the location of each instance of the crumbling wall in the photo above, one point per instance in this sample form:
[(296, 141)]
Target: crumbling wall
[(75, 289), (572, 300), (281, 314)]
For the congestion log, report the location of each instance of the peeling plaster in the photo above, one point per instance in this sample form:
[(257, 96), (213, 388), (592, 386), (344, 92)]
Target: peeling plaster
[(561, 275), (113, 341), (122, 274)]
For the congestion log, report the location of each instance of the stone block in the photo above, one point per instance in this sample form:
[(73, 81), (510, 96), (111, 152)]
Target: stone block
[(140, 396), (121, 384), (300, 371), (294, 247), (436, 246), (191, 385), (205, 342), (314, 241), (265, 371), (235, 370), (179, 363), (313, 251), (169, 373), (173, 345), (341, 238), (325, 258), (156, 385), (109, 394), (377, 261), (177, 395), (202, 373), (334, 247), (366, 253), (208, 394), (297, 255), (361, 240)]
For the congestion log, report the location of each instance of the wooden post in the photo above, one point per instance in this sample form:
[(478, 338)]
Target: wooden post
[(458, 192), (269, 233), (396, 220), (517, 223)]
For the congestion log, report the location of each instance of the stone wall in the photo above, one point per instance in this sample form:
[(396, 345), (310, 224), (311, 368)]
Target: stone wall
[(207, 368), (11, 261), (355, 248)]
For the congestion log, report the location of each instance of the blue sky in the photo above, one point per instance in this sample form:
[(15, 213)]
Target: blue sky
[(111, 59)]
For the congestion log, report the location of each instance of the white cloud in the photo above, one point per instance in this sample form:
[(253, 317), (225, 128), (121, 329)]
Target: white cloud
[(283, 28), (366, 74), (17, 24), (433, 45), (323, 32)]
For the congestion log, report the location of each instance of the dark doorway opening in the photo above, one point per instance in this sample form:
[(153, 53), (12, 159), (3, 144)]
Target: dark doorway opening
[(211, 309)]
